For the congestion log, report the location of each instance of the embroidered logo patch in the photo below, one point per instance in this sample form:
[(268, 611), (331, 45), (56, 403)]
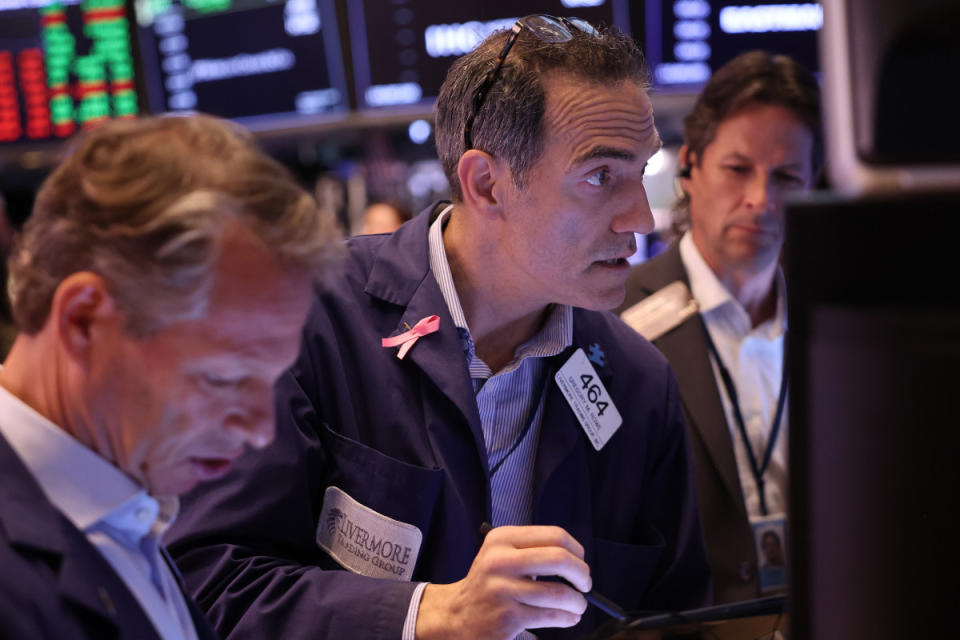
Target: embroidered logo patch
[(364, 541)]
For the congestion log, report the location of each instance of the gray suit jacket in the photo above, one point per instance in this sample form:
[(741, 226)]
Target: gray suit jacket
[(730, 545)]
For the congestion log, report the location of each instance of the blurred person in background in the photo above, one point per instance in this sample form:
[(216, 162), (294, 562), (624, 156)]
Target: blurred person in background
[(752, 139), (383, 217), (159, 292)]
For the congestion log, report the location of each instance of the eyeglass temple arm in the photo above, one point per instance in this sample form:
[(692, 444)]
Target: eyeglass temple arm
[(481, 93)]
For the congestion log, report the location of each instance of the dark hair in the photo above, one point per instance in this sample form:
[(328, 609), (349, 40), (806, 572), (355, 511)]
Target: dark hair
[(752, 78), (510, 122)]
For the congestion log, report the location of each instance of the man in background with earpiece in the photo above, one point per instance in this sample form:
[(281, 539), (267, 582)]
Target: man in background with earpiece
[(752, 139)]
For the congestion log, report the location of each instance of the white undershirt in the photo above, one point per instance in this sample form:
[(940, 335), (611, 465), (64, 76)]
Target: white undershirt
[(754, 358)]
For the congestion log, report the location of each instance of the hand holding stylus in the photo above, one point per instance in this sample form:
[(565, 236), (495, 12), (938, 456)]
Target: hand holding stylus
[(497, 598)]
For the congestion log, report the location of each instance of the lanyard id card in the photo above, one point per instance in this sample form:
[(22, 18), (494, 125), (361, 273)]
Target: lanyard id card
[(770, 538)]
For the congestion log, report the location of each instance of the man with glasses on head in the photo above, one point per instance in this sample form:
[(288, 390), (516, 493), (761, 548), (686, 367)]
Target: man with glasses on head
[(462, 420)]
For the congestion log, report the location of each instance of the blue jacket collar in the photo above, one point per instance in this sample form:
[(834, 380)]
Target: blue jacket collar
[(403, 260)]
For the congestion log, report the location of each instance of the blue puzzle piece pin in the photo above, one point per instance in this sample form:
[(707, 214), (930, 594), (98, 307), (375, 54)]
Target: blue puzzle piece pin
[(596, 355)]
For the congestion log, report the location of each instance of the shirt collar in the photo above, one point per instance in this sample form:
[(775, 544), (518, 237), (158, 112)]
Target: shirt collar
[(83, 486), (555, 335), (441, 269), (711, 295)]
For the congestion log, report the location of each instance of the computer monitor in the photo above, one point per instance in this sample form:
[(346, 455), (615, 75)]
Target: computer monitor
[(63, 66), (264, 64), (687, 40), (402, 49), (874, 347), (890, 94)]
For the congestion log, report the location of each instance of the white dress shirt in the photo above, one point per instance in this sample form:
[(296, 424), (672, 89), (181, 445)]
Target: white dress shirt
[(754, 358), (117, 515)]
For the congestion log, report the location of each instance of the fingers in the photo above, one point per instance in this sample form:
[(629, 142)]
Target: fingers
[(540, 618), (500, 597), (536, 551), (536, 536), (486, 607), (549, 595)]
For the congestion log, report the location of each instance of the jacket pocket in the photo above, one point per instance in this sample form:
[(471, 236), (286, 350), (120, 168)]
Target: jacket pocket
[(393, 488), (624, 571)]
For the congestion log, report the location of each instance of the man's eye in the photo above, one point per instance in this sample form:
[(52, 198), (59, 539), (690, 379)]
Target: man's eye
[(789, 179), (599, 178), (739, 169), (215, 380)]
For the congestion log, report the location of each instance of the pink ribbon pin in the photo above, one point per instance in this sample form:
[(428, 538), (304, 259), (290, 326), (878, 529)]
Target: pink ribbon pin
[(408, 338)]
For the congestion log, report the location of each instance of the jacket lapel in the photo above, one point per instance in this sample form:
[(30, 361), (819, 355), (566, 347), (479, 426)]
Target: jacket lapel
[(401, 275), (35, 527), (686, 348), (562, 463), (563, 451)]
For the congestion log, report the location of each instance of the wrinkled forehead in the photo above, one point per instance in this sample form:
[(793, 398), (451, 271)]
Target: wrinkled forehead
[(768, 131), (581, 114)]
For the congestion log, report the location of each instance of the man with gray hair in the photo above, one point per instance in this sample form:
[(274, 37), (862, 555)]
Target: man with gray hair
[(461, 421), (159, 286)]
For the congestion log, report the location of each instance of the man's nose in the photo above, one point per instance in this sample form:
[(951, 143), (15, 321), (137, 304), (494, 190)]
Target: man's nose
[(637, 219), (256, 422), (758, 194)]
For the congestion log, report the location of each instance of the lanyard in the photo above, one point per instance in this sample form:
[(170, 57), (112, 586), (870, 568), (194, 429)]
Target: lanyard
[(756, 469), (537, 400)]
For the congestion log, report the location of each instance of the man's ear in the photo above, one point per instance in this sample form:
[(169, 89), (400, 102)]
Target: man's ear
[(83, 311), (480, 180)]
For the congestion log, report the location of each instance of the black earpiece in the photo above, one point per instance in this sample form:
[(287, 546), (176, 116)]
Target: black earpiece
[(685, 164)]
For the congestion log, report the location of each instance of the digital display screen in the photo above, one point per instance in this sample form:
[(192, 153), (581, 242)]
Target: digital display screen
[(248, 60), (686, 40), (63, 66), (403, 48)]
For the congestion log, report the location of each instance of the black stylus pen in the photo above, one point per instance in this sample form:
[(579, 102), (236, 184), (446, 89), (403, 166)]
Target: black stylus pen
[(598, 600)]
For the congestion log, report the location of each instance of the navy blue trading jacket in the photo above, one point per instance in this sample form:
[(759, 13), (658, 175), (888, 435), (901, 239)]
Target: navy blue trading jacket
[(403, 437), (54, 584)]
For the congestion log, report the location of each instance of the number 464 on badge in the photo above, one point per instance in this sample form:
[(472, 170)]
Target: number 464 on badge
[(588, 398)]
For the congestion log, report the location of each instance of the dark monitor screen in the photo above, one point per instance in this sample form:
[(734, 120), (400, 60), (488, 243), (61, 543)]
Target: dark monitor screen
[(874, 344), (248, 60), (63, 66), (403, 48), (686, 40)]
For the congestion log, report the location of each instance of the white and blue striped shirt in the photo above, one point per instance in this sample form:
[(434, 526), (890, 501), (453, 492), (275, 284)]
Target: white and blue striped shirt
[(510, 401)]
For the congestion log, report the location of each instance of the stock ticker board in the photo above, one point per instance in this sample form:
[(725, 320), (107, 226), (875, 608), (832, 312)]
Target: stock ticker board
[(63, 66), (259, 62)]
